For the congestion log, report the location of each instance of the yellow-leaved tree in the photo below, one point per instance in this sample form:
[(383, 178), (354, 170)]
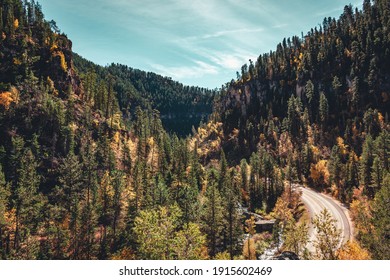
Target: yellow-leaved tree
[(352, 251), (9, 97), (319, 173)]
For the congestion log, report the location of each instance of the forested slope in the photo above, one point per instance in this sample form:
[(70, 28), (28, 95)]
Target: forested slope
[(87, 170), (318, 108), (181, 107), (79, 178)]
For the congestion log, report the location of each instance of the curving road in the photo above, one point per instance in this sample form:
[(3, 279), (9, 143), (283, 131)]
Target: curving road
[(315, 202)]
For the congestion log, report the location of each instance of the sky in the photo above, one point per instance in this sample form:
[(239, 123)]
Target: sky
[(196, 42)]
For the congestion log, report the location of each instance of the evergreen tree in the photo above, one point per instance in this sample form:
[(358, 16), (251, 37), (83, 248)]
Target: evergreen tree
[(366, 163), (328, 236), (294, 116), (336, 170), (161, 192), (118, 188), (323, 109), (155, 232), (212, 215), (256, 188), (382, 149), (377, 174), (187, 200), (309, 90), (381, 221), (223, 170), (190, 243), (4, 205), (355, 98), (244, 178), (88, 212), (69, 194), (296, 237), (232, 218), (27, 200)]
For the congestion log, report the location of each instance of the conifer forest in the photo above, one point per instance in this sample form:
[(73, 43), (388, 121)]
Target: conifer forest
[(111, 162)]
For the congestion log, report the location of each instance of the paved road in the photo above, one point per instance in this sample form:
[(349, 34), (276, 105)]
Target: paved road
[(315, 202)]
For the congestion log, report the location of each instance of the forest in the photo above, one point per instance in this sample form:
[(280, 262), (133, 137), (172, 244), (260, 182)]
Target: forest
[(181, 107), (118, 163)]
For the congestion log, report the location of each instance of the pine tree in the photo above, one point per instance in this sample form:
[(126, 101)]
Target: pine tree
[(4, 204), (223, 170), (244, 178), (88, 211), (323, 109), (69, 193), (377, 172), (294, 122), (138, 186), (27, 201), (328, 236), (189, 243), (307, 157), (14, 158), (110, 96), (161, 192), (336, 86), (255, 187), (309, 90), (371, 122), (155, 232), (232, 219), (118, 187), (336, 170), (382, 149), (355, 98), (105, 211), (212, 215), (366, 163), (381, 221), (187, 200), (296, 237)]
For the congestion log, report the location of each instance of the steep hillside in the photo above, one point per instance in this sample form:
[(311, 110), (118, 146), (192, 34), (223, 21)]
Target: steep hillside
[(87, 170), (79, 178), (318, 107), (338, 71), (181, 107)]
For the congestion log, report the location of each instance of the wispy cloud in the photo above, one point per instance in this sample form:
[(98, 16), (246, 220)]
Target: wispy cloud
[(197, 70), (223, 33), (228, 61), (185, 39)]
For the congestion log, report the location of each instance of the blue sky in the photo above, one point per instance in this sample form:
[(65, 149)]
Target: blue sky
[(197, 42)]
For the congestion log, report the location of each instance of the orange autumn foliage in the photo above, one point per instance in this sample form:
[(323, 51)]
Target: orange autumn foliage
[(249, 249), (319, 173), (342, 146), (352, 251), (5, 99), (9, 97), (361, 213), (124, 254), (57, 53), (63, 61)]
